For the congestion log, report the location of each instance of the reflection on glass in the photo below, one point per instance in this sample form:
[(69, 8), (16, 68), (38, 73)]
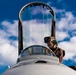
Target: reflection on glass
[(36, 25), (36, 50)]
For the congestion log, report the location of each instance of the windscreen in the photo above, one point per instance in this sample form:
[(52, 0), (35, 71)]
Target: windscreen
[(36, 50), (36, 21)]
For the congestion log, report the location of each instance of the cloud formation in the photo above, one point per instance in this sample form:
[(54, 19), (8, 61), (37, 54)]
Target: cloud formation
[(8, 47), (69, 47), (65, 29)]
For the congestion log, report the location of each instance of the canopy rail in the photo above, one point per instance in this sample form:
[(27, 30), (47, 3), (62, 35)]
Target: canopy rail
[(20, 28)]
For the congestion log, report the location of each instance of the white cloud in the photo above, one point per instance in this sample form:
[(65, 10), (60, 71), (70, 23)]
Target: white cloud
[(66, 26), (9, 54), (40, 10), (61, 35), (58, 10), (69, 16), (73, 39), (11, 28), (67, 22), (69, 47), (9, 48), (35, 31)]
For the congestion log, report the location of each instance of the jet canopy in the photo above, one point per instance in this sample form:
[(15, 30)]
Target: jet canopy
[(35, 20), (36, 50)]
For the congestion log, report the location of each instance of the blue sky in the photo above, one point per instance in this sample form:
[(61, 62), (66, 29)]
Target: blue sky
[(65, 24), (16, 5)]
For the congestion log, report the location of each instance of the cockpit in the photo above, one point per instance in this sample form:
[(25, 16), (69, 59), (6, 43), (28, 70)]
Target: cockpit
[(35, 22), (36, 50)]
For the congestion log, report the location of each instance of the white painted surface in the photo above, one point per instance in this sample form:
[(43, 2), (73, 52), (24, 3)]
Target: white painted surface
[(29, 67)]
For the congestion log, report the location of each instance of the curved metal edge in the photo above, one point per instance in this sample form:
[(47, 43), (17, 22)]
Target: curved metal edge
[(40, 46), (52, 12), (20, 47)]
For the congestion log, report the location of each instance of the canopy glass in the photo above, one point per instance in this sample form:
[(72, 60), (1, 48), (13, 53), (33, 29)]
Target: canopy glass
[(36, 21)]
